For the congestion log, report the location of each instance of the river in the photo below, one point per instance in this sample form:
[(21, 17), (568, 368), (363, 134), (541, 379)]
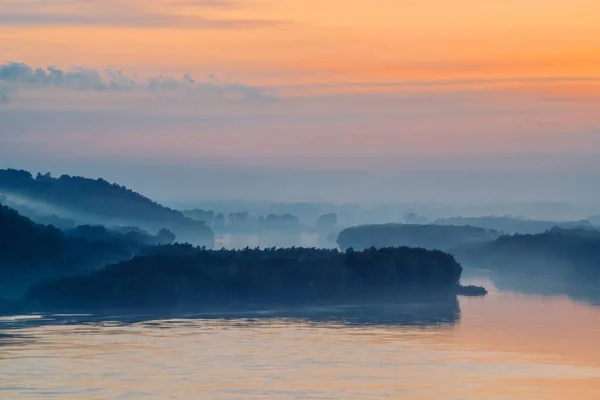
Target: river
[(504, 346)]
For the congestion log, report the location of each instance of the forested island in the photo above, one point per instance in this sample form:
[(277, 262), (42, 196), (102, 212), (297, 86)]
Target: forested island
[(72, 200), (440, 237), (193, 278)]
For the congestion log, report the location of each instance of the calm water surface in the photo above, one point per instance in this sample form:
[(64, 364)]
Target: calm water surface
[(504, 346)]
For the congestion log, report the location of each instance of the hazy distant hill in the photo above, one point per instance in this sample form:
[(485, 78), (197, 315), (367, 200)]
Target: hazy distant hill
[(29, 252), (39, 217), (130, 238), (426, 236), (512, 225), (577, 250), (558, 261), (90, 201)]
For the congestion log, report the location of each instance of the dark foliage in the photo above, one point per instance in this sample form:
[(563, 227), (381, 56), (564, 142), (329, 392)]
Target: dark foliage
[(168, 277), (29, 251), (426, 236), (109, 203)]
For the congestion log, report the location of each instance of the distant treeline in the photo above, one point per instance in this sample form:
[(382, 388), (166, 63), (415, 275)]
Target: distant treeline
[(509, 225), (102, 202), (426, 236), (183, 276), (244, 222)]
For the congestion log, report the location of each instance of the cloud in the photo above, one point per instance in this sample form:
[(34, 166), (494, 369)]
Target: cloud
[(16, 76), (126, 13), (134, 21)]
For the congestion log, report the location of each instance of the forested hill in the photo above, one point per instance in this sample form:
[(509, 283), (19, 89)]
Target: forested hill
[(29, 252), (100, 202)]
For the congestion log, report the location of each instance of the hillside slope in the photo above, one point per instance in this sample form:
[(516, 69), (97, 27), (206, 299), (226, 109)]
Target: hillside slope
[(90, 201), (30, 252)]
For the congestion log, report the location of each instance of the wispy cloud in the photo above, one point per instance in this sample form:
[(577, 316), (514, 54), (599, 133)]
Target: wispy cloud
[(127, 13), (16, 76), (133, 21)]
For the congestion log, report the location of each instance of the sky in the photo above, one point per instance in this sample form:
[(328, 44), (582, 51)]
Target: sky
[(342, 101)]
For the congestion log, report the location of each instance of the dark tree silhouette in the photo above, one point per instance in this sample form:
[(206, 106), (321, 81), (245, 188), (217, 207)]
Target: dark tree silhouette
[(29, 251)]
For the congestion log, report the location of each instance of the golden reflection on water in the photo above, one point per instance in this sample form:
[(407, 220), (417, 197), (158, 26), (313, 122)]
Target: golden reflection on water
[(505, 346)]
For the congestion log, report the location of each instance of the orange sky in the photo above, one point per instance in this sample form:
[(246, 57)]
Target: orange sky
[(299, 41)]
